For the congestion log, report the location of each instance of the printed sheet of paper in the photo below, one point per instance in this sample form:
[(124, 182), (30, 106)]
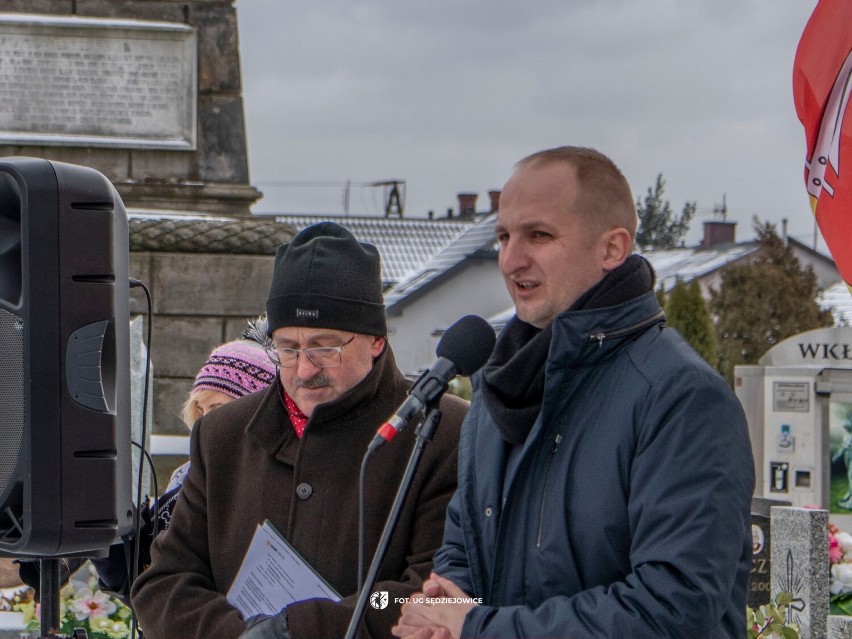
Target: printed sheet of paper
[(273, 575)]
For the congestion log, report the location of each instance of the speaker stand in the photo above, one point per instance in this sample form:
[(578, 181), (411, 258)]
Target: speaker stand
[(49, 585)]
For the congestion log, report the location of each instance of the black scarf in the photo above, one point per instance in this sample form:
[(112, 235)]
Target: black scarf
[(514, 375)]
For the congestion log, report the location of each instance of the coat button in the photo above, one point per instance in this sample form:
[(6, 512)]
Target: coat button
[(303, 491), (488, 511)]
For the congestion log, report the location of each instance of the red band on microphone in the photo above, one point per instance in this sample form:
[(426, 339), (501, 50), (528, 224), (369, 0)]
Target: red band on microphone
[(387, 432)]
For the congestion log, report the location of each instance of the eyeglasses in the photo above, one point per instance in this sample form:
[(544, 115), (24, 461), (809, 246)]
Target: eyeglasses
[(322, 356)]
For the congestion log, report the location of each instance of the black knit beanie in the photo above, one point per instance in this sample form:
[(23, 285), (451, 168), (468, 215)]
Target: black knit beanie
[(325, 278)]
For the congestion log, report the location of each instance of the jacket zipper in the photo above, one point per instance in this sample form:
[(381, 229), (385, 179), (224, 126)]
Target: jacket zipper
[(619, 332), (553, 448)]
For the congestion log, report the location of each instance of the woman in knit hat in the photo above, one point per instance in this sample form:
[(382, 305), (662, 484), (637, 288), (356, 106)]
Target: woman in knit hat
[(233, 369)]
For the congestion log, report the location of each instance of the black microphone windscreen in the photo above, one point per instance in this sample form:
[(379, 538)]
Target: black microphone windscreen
[(467, 344)]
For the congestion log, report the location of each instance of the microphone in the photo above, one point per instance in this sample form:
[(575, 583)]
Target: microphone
[(463, 350)]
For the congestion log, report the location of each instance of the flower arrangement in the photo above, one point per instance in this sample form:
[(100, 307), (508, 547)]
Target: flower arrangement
[(16, 602), (840, 558), (769, 621), (81, 605)]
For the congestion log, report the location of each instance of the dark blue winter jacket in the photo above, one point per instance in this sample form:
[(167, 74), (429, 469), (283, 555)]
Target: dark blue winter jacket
[(628, 511)]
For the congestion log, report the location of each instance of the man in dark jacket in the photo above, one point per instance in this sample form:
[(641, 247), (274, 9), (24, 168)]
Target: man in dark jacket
[(292, 454), (605, 473)]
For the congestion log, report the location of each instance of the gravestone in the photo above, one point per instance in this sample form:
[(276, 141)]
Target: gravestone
[(799, 538), (760, 582), (839, 627)]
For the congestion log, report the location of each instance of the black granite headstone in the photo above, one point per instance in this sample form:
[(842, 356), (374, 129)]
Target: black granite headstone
[(759, 584)]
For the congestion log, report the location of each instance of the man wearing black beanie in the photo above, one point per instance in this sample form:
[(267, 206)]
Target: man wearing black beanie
[(292, 455)]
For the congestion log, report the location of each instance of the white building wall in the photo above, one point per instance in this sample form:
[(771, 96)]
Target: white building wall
[(826, 272), (475, 289)]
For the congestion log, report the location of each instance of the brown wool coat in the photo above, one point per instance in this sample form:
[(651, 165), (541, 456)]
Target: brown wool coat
[(246, 466)]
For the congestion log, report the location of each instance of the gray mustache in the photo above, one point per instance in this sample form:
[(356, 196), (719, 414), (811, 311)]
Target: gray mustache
[(317, 381)]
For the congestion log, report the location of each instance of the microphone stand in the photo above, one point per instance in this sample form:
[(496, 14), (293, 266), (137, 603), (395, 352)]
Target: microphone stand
[(423, 434)]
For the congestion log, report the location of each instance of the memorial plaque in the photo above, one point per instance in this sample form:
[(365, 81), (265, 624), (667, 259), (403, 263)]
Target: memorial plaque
[(791, 397), (97, 82)]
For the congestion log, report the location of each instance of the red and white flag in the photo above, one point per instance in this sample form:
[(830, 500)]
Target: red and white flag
[(822, 85)]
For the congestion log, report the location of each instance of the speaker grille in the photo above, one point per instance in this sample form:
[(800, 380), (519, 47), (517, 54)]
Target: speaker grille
[(12, 394)]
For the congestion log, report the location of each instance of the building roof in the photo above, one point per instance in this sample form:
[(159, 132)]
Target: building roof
[(815, 254), (687, 264), (404, 244), (474, 239)]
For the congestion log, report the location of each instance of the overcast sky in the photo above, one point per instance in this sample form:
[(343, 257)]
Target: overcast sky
[(448, 94)]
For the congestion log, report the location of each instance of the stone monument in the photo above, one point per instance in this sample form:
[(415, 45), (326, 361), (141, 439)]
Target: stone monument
[(147, 93)]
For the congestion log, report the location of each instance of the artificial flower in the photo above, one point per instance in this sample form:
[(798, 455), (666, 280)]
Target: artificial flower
[(91, 605), (101, 616), (835, 552), (844, 539), (841, 579)]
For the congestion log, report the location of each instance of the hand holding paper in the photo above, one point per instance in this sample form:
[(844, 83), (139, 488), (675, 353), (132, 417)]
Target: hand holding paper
[(273, 576)]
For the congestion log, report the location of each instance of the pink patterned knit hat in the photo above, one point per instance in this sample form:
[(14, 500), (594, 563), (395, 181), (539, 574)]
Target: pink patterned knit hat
[(236, 369)]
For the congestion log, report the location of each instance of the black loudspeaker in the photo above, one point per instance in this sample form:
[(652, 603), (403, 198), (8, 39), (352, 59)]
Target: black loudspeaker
[(65, 467)]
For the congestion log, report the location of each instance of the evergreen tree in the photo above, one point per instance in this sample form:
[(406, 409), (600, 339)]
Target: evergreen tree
[(658, 227), (687, 312), (763, 302), (661, 297)]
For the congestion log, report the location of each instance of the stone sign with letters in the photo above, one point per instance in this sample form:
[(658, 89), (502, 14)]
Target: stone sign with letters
[(97, 82)]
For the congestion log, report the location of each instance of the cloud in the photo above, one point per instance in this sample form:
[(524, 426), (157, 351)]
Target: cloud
[(449, 95)]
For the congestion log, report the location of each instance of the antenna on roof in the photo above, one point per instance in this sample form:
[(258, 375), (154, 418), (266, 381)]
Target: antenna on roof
[(393, 197), (720, 211)]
